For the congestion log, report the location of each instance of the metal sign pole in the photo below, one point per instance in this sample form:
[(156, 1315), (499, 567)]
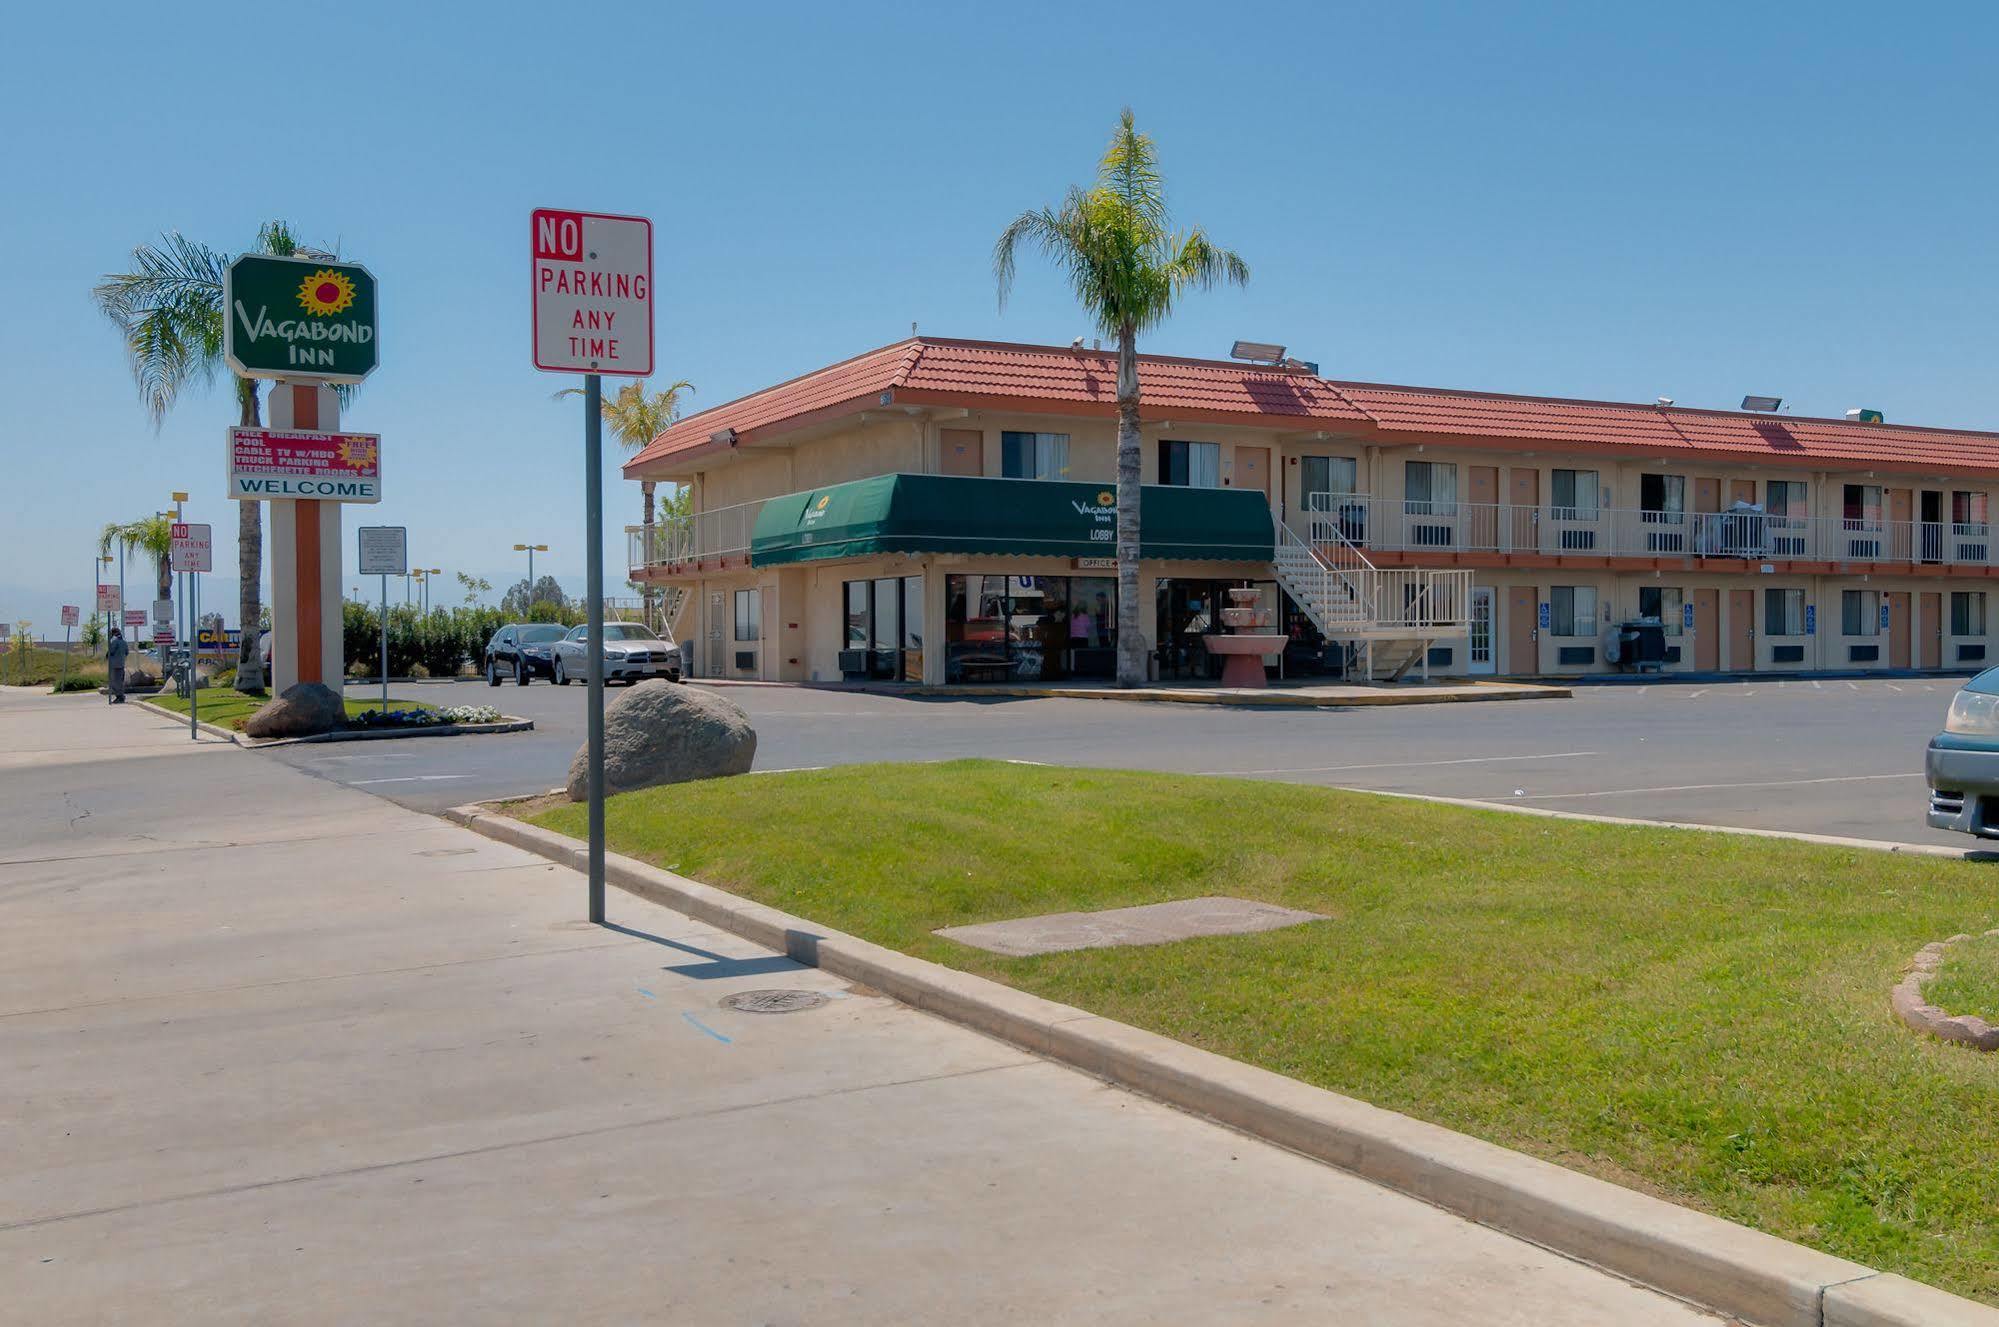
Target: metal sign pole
[(65, 659), (193, 656), (384, 624), (593, 587)]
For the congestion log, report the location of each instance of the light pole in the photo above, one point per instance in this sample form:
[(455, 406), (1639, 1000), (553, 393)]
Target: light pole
[(428, 572), (530, 550)]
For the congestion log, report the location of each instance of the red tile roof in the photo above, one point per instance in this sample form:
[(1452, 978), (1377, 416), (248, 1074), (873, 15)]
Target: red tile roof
[(1059, 380)]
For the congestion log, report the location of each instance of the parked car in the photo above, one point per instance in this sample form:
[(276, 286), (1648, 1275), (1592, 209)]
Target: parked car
[(1962, 764), (631, 653), (520, 650)]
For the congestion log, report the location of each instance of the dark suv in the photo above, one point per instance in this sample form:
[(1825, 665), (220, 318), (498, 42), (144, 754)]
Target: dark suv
[(520, 650)]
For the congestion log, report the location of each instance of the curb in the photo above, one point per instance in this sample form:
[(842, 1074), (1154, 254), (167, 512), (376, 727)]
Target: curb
[(507, 725), (1703, 1259), (225, 734), (1274, 697), (1914, 1009)]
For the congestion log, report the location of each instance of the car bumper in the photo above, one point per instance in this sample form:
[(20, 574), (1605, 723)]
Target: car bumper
[(616, 670), (534, 667), (1964, 788)]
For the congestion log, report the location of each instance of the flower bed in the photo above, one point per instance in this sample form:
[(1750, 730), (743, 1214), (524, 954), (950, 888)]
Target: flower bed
[(423, 717)]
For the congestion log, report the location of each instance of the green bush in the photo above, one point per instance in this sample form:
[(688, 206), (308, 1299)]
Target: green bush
[(439, 643), (75, 683)]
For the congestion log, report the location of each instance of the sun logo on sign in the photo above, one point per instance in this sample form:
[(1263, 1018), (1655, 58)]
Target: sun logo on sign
[(821, 505), (326, 292), (1106, 498)]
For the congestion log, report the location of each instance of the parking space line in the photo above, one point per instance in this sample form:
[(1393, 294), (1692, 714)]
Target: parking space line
[(409, 778), (1402, 764), (1709, 787)]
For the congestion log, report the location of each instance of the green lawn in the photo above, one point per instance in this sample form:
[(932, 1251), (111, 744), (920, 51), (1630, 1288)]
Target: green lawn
[(1696, 1015), (1967, 982), (43, 667), (229, 709)]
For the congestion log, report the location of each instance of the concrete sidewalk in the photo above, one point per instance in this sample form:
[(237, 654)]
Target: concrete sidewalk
[(277, 1051)]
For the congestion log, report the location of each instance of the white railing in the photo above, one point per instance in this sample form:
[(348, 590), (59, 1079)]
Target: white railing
[(723, 532), (1430, 526), (1346, 595)]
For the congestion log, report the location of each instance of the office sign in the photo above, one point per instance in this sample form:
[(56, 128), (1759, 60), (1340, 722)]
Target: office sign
[(109, 599), (71, 615), (193, 547), (333, 467), (299, 318), (593, 292), (384, 550)]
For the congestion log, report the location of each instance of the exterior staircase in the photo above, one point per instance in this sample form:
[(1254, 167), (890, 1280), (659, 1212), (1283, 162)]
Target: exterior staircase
[(1387, 618)]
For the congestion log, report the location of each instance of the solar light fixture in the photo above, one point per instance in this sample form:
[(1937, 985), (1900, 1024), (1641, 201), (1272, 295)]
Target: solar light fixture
[(727, 437), (1261, 352), (1762, 404)]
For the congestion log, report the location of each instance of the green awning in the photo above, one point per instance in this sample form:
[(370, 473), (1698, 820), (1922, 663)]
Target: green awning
[(1006, 518)]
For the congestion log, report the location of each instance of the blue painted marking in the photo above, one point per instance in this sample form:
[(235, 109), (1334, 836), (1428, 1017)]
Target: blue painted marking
[(705, 1028), (647, 994)]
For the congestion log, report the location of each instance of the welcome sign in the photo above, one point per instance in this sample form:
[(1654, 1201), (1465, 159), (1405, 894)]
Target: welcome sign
[(334, 467)]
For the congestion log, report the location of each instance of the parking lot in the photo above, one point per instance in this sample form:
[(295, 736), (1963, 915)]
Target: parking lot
[(1823, 756)]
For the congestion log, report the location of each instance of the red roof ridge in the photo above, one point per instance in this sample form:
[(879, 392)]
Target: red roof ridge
[(776, 386)]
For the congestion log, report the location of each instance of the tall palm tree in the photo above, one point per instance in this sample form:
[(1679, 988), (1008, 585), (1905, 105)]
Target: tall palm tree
[(1114, 243), (635, 417), (151, 535), (169, 309)]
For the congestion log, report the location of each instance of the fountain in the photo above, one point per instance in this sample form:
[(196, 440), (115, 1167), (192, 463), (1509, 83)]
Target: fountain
[(1241, 650)]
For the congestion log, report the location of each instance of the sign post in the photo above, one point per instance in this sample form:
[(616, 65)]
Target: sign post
[(193, 552), (593, 314), (384, 553), (70, 617)]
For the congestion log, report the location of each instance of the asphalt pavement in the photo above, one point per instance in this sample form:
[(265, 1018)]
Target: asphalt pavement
[(1825, 756)]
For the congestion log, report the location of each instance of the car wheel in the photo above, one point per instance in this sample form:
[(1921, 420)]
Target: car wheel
[(492, 673), (561, 677), (521, 671)]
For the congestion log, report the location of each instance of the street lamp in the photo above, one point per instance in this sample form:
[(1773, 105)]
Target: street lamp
[(530, 550)]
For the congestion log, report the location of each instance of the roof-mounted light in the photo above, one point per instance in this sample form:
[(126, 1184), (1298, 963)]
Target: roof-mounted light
[(1762, 404), (1257, 352)]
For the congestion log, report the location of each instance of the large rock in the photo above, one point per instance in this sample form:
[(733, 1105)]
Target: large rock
[(667, 732), (301, 710)]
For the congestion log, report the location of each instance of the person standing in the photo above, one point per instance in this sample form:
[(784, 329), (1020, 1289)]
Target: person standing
[(114, 659)]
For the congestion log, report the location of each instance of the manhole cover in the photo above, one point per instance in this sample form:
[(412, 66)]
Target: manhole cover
[(773, 1002)]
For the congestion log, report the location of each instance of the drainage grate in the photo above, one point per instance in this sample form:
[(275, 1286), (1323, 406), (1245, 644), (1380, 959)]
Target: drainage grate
[(773, 1002)]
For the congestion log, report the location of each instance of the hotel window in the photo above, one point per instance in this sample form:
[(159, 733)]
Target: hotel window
[(1863, 506), (1860, 613), (1665, 602), (1332, 475), (1784, 500), (1572, 610), (1190, 464), (1783, 612), (885, 614), (749, 614), (1967, 512), (1575, 495), (1034, 455), (1662, 506), (1967, 612), (1429, 488)]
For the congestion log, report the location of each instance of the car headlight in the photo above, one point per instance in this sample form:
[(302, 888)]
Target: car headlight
[(1973, 714)]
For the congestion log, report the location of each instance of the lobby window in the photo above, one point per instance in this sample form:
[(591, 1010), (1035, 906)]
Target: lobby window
[(1967, 512), (749, 614), (1665, 602), (1783, 612), (1190, 464), (1430, 488), (1967, 612), (1574, 492), (1034, 455), (1860, 612), (1572, 610)]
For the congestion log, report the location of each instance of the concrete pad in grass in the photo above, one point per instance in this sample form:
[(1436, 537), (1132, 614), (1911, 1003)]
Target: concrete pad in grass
[(1152, 924)]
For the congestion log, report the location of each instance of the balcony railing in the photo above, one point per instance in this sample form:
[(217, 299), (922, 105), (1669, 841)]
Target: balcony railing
[(1417, 525), (723, 532)]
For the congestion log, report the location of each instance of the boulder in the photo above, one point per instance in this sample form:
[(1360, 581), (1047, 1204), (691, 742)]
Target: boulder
[(667, 732), (301, 710)]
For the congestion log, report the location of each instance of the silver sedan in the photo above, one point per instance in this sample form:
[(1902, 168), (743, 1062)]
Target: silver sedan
[(631, 653)]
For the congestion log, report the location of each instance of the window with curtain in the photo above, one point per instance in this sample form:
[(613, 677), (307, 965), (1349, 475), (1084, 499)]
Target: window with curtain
[(1967, 511), (1334, 475), (1967, 612), (1572, 610), (1862, 506), (1783, 612), (1190, 464), (1860, 613), (1785, 497), (1662, 493), (749, 614), (1034, 455), (1665, 602), (1429, 488), (1574, 492)]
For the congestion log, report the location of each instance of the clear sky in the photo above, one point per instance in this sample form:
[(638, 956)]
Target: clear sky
[(1623, 201)]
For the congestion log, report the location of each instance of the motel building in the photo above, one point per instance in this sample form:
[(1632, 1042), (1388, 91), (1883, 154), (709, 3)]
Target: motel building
[(940, 511)]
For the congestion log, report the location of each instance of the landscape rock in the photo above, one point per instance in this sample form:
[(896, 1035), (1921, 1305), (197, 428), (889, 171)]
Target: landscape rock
[(301, 710), (667, 732)]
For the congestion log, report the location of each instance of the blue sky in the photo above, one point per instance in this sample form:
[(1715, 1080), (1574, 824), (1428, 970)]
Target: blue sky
[(1588, 200)]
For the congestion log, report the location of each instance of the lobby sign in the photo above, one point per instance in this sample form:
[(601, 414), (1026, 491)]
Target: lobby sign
[(593, 292), (193, 547), (334, 467), (299, 318)]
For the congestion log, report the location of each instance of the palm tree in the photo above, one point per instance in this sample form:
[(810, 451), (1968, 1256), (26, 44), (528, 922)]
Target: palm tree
[(151, 535), (169, 309), (1113, 242), (635, 417)]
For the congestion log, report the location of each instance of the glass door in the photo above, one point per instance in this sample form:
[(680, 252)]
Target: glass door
[(1480, 652)]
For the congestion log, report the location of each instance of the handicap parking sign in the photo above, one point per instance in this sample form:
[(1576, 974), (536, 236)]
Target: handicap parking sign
[(1811, 619), (1687, 616), (1547, 617), (1884, 614)]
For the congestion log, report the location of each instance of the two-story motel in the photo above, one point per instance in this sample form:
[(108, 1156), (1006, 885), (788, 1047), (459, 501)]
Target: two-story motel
[(939, 510)]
